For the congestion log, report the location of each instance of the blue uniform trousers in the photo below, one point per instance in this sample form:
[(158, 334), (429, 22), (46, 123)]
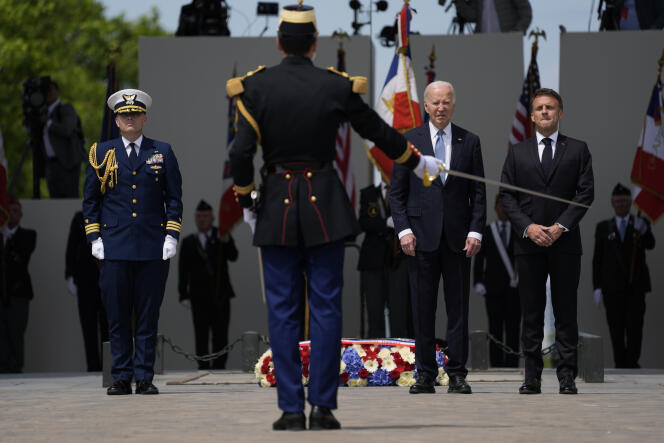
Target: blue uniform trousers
[(126, 287), (283, 268)]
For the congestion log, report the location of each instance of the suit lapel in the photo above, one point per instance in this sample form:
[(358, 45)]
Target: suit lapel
[(455, 155), (561, 149), (425, 139)]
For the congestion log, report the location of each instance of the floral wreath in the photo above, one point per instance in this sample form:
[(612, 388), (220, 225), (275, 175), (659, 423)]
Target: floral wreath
[(386, 362)]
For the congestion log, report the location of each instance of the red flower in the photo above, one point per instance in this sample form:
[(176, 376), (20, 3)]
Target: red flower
[(272, 379), (366, 347), (380, 361), (397, 358), (305, 361), (400, 368), (437, 347), (410, 366), (305, 351), (344, 377), (363, 373), (395, 374), (265, 369), (446, 360), (305, 371)]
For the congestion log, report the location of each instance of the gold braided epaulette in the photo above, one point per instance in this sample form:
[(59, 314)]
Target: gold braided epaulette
[(234, 86), (110, 176), (360, 84)]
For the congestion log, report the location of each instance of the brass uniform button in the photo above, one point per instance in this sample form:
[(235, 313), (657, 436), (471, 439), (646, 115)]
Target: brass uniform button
[(286, 201), (162, 225), (133, 186), (287, 176), (310, 174), (133, 173), (133, 201), (133, 214), (156, 179), (313, 199), (104, 224)]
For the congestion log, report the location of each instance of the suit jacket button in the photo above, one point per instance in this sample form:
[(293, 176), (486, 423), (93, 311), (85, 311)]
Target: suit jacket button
[(162, 225), (286, 201), (133, 201), (313, 199), (133, 186), (310, 174), (133, 214), (156, 179), (287, 176)]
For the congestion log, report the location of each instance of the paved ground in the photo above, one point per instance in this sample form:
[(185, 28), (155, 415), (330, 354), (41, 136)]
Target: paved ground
[(228, 406)]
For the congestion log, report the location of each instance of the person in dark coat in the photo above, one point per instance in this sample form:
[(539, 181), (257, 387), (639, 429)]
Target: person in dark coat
[(383, 267), (204, 284), (301, 214), (495, 277), (17, 245), (82, 275), (621, 276)]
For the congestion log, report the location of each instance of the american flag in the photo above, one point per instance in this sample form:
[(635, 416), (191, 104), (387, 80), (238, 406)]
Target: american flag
[(522, 127), (230, 212), (343, 157)]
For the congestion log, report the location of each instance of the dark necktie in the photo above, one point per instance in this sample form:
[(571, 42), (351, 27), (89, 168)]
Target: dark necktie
[(547, 156), (622, 228), (133, 157), (503, 234)]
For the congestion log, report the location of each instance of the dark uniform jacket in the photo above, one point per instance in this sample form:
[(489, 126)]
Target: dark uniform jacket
[(79, 262), (378, 247), (571, 177), (15, 258), (614, 260), (65, 136), (203, 272), (297, 109), (134, 216), (489, 268)]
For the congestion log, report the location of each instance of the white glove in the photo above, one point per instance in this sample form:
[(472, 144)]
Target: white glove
[(186, 303), (480, 288), (431, 164), (170, 247), (98, 249), (640, 225), (597, 296), (389, 222), (249, 218), (72, 286)]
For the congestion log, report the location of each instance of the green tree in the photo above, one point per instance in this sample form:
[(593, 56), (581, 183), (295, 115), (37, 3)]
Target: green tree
[(68, 40)]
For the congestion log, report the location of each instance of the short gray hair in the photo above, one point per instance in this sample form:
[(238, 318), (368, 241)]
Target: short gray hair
[(439, 84)]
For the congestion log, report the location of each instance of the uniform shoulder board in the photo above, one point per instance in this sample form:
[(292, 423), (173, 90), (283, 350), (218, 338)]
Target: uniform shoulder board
[(360, 84), (235, 85)]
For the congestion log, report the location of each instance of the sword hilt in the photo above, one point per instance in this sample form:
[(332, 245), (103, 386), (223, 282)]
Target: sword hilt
[(428, 179)]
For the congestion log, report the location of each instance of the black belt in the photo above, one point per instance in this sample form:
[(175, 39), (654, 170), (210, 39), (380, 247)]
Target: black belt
[(294, 167)]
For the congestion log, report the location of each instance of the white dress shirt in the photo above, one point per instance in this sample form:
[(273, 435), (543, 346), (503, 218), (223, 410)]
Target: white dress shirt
[(540, 144), (203, 237), (447, 140), (137, 144), (8, 233), (508, 231)]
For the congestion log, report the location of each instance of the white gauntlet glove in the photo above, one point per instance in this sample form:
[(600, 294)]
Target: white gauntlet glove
[(249, 218), (98, 249), (170, 247), (431, 164), (72, 286)]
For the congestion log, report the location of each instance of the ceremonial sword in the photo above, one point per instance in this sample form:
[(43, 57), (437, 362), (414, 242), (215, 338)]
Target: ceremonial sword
[(428, 179)]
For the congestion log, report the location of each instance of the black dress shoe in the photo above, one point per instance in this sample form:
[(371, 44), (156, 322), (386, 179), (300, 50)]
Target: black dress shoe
[(119, 387), (567, 385), (322, 418), (423, 385), (290, 421), (458, 385), (145, 387), (531, 386)]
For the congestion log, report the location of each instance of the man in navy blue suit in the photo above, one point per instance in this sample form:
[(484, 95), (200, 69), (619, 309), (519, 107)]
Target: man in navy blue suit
[(440, 228), (133, 210)]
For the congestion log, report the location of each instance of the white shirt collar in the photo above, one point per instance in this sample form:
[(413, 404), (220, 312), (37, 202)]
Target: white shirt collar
[(9, 232), (553, 137), (138, 141), (434, 131), (618, 219), (52, 106)]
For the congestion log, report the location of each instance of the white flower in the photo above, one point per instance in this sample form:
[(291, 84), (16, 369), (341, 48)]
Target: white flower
[(388, 364), (360, 350), (342, 367), (371, 365), (305, 380), (408, 357), (443, 379), (385, 353), (406, 379), (357, 382), (265, 383)]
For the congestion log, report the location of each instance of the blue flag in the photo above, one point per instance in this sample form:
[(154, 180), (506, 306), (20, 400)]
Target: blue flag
[(109, 130)]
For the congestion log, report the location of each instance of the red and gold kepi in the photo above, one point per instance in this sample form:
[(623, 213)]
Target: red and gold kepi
[(298, 20), (129, 100)]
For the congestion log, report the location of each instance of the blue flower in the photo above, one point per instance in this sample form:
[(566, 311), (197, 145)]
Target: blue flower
[(380, 378), (440, 358), (353, 361)]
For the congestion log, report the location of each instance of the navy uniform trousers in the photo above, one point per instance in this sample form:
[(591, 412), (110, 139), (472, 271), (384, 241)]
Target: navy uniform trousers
[(138, 287), (283, 266)]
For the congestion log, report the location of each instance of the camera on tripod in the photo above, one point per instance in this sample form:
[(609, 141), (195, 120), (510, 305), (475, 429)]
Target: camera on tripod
[(34, 94)]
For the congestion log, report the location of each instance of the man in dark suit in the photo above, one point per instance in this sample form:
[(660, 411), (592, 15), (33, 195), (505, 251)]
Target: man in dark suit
[(440, 228), (133, 214), (82, 275), (383, 268), (63, 146), (204, 284), (16, 247), (548, 239), (293, 110), (496, 279), (621, 276)]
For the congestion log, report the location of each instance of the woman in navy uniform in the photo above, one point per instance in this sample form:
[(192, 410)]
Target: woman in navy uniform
[(133, 210), (294, 110)]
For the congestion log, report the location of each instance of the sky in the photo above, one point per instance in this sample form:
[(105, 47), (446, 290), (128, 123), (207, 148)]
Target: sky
[(430, 19)]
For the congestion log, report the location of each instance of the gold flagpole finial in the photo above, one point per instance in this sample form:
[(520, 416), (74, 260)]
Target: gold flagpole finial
[(537, 33), (340, 35), (299, 4), (432, 56)]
